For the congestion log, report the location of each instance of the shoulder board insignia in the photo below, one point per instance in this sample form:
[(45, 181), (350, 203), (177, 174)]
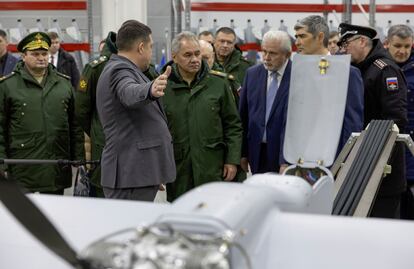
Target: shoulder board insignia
[(63, 75), (218, 73), (83, 84), (6, 76), (98, 61), (246, 61), (380, 63)]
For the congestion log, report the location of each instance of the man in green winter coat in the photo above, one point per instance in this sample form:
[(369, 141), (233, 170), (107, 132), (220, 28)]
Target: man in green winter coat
[(229, 58), (202, 118), (37, 119), (86, 111)]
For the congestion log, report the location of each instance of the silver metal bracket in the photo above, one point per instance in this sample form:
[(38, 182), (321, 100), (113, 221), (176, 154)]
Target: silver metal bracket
[(406, 138)]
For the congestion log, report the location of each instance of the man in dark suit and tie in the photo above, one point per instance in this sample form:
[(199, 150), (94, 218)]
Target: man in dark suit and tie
[(263, 105), (138, 154), (62, 60), (7, 60)]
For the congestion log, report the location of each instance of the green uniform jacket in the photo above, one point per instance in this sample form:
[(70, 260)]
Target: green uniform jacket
[(234, 84), (234, 65), (38, 122), (205, 126), (86, 111)]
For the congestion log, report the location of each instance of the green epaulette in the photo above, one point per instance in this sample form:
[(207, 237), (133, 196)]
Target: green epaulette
[(63, 75), (222, 74), (6, 76), (98, 61), (247, 61)]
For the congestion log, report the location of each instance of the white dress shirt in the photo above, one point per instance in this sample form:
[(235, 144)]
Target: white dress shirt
[(55, 58)]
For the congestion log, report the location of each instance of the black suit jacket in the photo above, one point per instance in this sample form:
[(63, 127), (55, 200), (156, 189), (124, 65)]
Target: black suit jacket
[(9, 65), (66, 64)]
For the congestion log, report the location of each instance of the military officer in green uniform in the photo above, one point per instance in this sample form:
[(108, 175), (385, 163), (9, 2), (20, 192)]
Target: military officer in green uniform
[(86, 111), (37, 119), (202, 118), (229, 58), (207, 54)]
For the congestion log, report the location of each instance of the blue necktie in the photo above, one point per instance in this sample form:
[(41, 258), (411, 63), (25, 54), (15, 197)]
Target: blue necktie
[(271, 94), (270, 97)]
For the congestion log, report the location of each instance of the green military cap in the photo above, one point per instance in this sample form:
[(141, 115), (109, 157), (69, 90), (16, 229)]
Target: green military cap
[(34, 41), (110, 42)]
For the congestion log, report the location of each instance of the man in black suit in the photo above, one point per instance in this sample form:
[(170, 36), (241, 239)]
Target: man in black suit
[(7, 60), (62, 60)]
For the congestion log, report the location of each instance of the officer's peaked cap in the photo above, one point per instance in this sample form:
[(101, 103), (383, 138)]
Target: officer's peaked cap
[(347, 31), (34, 41)]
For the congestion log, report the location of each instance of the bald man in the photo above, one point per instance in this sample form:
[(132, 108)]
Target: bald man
[(207, 53)]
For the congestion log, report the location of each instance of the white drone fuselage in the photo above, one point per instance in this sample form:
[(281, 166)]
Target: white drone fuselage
[(280, 221), (255, 211)]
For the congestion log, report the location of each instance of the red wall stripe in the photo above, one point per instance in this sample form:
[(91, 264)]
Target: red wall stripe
[(212, 6), (269, 7), (66, 46), (43, 5)]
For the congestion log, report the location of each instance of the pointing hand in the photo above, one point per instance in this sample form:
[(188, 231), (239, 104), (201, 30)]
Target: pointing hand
[(160, 83)]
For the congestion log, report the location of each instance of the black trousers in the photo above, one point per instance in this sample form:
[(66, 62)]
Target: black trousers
[(57, 192), (387, 207), (407, 203), (264, 165)]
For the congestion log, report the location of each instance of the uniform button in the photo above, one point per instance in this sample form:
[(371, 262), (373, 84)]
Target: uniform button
[(408, 90), (24, 104), (22, 145), (63, 101), (411, 132), (65, 109), (22, 113)]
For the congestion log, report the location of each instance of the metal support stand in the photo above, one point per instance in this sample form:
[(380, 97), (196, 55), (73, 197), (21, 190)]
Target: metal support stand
[(360, 167)]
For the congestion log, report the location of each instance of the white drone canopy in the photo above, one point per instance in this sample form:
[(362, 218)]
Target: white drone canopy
[(317, 98)]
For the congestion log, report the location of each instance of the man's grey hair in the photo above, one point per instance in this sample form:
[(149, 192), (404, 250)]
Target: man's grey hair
[(281, 36), (176, 43), (315, 25), (400, 30), (370, 43)]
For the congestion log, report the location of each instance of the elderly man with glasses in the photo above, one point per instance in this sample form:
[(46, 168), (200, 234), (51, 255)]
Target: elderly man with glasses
[(386, 99)]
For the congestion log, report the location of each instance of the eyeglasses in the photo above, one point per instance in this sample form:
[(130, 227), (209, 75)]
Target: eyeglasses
[(347, 42)]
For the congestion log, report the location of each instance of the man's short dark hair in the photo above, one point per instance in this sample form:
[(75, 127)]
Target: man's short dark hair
[(226, 30), (204, 33), (332, 34), (53, 35), (3, 34), (132, 31)]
